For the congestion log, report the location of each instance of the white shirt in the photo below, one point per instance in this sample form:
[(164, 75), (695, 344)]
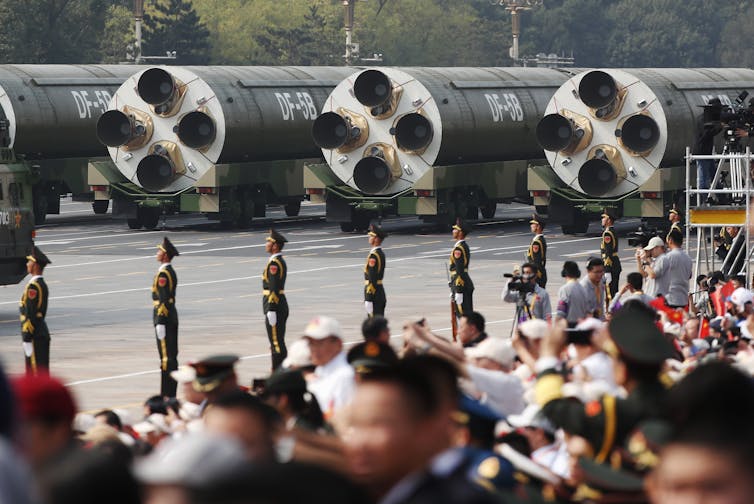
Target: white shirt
[(501, 391), (333, 384), (599, 366), (554, 457)]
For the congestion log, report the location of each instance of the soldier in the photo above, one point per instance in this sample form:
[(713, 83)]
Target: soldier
[(537, 252), (461, 286), (374, 271), (675, 221), (33, 307), (165, 316), (609, 251), (274, 304)]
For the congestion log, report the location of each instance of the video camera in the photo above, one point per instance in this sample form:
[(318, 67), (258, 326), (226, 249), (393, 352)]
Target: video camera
[(519, 283), (733, 117), (641, 237)]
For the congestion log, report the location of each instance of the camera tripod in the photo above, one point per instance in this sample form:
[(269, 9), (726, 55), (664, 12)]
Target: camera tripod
[(737, 170), (523, 311)]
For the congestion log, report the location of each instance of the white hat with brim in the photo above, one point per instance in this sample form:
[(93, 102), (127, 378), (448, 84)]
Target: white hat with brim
[(496, 349), (655, 241), (322, 327)]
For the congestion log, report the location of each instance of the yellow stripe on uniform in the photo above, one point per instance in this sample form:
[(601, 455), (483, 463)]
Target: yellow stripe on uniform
[(164, 356), (610, 425), (275, 343)]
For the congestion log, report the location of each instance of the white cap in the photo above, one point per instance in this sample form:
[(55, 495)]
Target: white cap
[(497, 349), (156, 422), (673, 328), (655, 241), (534, 329), (741, 296), (590, 324), (299, 354), (532, 416), (184, 374), (323, 327), (83, 422)]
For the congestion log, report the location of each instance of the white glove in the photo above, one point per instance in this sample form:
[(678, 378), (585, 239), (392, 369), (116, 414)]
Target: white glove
[(272, 318), (160, 330), (369, 307), (608, 278), (28, 348), (459, 298)]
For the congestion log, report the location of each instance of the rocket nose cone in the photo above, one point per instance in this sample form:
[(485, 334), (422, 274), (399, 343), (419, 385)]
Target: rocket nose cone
[(196, 130), (114, 128), (554, 132), (640, 133), (156, 86), (597, 89), (372, 88), (330, 131), (155, 172), (597, 177), (413, 132), (372, 175)]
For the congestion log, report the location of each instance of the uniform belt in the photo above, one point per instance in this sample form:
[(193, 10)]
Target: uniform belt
[(169, 301), (367, 282), (266, 292)]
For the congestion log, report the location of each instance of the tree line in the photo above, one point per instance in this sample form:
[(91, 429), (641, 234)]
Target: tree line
[(597, 33)]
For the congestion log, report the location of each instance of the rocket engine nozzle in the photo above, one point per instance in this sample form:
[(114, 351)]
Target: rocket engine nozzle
[(128, 128), (638, 133), (161, 167), (601, 93), (161, 90), (413, 133), (196, 129), (342, 130), (375, 90), (602, 172), (377, 169)]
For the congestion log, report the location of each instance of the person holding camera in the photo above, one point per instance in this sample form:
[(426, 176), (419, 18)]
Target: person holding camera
[(573, 301), (595, 287), (632, 289), (537, 251), (672, 272), (609, 251), (525, 289), (724, 241), (646, 257), (708, 127)]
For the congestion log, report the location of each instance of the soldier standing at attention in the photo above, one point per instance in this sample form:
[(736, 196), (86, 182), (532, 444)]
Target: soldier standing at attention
[(675, 221), (537, 253), (165, 316), (33, 307), (461, 286), (374, 271), (609, 251), (274, 304)]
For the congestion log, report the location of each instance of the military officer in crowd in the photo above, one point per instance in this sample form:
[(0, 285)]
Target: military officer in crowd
[(675, 221), (537, 252), (374, 272), (33, 307), (461, 286), (165, 316), (274, 304), (609, 250)]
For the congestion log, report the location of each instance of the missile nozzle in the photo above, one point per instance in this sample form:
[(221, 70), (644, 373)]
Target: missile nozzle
[(372, 175), (597, 177), (639, 133), (330, 130), (114, 128), (155, 172), (372, 88), (196, 130), (156, 86), (597, 89), (413, 132), (554, 132)]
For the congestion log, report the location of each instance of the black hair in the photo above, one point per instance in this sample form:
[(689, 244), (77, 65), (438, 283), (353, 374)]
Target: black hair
[(676, 237), (570, 269), (238, 399), (517, 441), (594, 261), (476, 319), (111, 418), (534, 268), (373, 326), (172, 403), (635, 280), (156, 404)]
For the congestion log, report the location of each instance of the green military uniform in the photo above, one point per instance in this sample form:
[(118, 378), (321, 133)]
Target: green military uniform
[(607, 422), (33, 309), (460, 281), (374, 272), (164, 313), (274, 301), (675, 226), (609, 251), (537, 252)]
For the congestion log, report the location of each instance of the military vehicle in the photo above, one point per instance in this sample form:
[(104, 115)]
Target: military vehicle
[(617, 138)]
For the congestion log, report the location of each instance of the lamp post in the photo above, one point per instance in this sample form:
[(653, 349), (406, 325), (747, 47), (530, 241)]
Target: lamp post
[(515, 7), (138, 16)]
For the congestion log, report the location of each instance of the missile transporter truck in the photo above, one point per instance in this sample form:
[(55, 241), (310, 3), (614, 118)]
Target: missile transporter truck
[(223, 141), (618, 138)]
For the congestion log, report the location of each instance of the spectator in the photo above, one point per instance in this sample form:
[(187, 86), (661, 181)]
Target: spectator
[(573, 301), (215, 377), (537, 299), (672, 272), (645, 259), (594, 286), (471, 329), (632, 289), (376, 328), (333, 379), (286, 392), (540, 434)]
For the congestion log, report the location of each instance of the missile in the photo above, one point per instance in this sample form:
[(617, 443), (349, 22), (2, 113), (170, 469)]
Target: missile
[(633, 121), (417, 118), (129, 128), (202, 116)]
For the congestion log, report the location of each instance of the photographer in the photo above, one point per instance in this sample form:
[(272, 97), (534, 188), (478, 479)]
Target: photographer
[(646, 257), (699, 301), (672, 272), (525, 288), (724, 241), (631, 290), (708, 127)]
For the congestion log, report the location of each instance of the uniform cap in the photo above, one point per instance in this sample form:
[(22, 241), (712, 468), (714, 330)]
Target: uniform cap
[(367, 356), (673, 210), (167, 247), (322, 327), (538, 219), (532, 416), (285, 381), (609, 212), (276, 237), (375, 230), (638, 339), (462, 226), (496, 349), (471, 409), (43, 396), (38, 257), (210, 372), (156, 422), (534, 328), (655, 241)]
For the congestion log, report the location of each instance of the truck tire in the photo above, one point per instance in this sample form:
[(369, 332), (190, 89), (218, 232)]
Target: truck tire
[(292, 208), (100, 206), (347, 227), (488, 210), (40, 210), (149, 217), (134, 224)]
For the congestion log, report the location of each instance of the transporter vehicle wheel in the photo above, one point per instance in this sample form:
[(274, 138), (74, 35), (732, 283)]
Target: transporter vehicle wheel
[(134, 224), (245, 211), (292, 208), (100, 206), (472, 212), (488, 210), (347, 227), (149, 217), (40, 209)]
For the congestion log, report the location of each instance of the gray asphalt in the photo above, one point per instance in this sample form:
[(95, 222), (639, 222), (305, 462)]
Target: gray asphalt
[(100, 304)]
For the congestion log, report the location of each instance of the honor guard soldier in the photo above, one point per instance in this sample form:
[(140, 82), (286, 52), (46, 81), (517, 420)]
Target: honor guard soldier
[(374, 271), (609, 251), (165, 316), (33, 308), (461, 286), (274, 304), (537, 252), (675, 221)]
